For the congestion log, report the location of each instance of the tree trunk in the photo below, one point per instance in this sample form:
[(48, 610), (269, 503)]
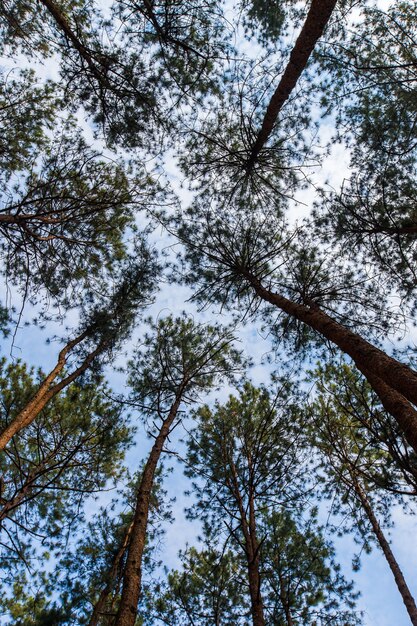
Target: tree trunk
[(70, 35), (252, 549), (132, 578), (257, 608), (101, 602), (386, 549), (314, 25), (392, 374), (46, 391), (395, 404), (284, 599)]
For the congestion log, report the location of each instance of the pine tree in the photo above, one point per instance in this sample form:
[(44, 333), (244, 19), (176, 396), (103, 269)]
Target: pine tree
[(348, 452), (178, 362), (74, 450), (253, 478)]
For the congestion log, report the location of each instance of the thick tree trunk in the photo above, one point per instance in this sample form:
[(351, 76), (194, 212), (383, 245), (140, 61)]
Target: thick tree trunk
[(47, 391), (257, 608), (386, 549), (132, 578), (114, 572), (392, 374), (395, 404), (314, 25)]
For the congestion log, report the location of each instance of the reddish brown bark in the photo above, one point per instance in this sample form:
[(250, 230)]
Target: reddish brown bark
[(393, 373), (314, 25), (395, 404), (132, 578), (47, 390), (386, 549)]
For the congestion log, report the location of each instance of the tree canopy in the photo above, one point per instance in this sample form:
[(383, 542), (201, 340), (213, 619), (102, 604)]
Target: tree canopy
[(208, 228)]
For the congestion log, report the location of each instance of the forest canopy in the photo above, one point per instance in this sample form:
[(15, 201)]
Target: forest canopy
[(208, 378)]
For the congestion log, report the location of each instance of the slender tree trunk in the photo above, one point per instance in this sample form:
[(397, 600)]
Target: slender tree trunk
[(101, 602), (47, 391), (63, 24), (253, 566), (314, 25), (132, 577), (284, 599), (394, 382), (386, 549), (20, 495), (252, 549)]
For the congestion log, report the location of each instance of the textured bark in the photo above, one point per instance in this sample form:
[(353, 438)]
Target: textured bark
[(258, 618), (132, 578), (314, 25), (386, 549), (47, 390), (113, 574), (395, 404), (394, 374)]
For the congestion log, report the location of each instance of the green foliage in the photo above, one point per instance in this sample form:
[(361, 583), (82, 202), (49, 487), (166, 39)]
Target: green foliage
[(206, 590), (128, 71), (374, 76), (301, 576), (180, 359), (183, 89), (67, 594), (72, 451), (266, 16), (24, 24), (252, 472), (228, 252), (244, 449), (374, 218), (27, 110), (358, 440), (67, 220)]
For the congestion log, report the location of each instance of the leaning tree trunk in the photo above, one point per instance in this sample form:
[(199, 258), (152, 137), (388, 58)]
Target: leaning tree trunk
[(395, 404), (132, 578), (386, 549), (47, 390), (65, 27), (394, 382), (314, 25)]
